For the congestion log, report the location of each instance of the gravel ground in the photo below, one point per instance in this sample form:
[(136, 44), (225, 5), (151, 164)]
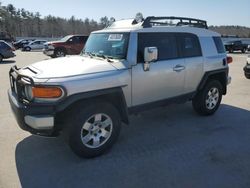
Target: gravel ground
[(164, 147)]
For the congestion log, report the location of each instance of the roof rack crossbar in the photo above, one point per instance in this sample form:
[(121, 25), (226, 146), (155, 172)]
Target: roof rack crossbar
[(182, 21)]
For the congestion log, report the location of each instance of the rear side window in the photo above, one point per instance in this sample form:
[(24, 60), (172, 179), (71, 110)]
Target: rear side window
[(219, 45), (4, 46), (189, 45), (165, 42)]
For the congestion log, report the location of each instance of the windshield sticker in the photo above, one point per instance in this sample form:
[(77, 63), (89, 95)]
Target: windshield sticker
[(115, 37)]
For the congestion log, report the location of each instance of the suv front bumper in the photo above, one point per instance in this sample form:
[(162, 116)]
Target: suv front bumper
[(34, 119), (48, 52)]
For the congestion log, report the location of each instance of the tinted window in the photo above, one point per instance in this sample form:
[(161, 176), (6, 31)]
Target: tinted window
[(76, 40), (237, 42), (4, 46), (83, 39), (219, 45), (165, 42), (190, 45)]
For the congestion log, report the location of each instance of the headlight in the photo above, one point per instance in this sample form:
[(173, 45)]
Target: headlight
[(28, 92), (51, 47), (43, 93)]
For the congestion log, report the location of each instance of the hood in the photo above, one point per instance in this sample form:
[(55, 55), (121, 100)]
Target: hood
[(69, 66), (55, 42)]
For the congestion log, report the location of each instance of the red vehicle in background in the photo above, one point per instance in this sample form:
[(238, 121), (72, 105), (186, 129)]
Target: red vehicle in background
[(69, 45)]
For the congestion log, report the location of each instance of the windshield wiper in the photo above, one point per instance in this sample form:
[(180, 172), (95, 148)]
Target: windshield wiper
[(108, 58), (89, 54)]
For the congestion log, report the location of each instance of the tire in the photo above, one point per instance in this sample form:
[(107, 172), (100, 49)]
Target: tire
[(243, 50), (94, 129), (231, 50), (247, 76), (1, 58), (59, 53), (208, 100), (27, 49)]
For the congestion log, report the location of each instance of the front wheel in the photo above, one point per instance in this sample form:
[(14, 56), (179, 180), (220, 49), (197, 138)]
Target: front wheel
[(94, 129), (208, 100), (59, 53), (246, 75), (243, 50)]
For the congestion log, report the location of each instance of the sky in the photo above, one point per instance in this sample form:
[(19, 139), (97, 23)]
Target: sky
[(215, 12)]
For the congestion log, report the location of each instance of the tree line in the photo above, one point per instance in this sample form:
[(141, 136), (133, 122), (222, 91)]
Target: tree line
[(22, 23), (238, 31)]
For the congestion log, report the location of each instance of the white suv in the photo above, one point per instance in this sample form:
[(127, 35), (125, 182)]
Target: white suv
[(132, 65)]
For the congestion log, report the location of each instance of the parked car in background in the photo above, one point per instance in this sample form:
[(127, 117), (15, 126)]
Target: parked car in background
[(247, 68), (69, 45), (236, 46), (21, 43), (34, 45), (6, 50)]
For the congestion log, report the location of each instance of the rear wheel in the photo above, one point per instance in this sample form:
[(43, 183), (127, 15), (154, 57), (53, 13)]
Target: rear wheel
[(208, 100), (243, 50), (1, 58), (27, 49), (94, 129)]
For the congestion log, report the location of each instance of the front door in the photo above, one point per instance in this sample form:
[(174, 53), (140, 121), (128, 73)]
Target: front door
[(166, 76)]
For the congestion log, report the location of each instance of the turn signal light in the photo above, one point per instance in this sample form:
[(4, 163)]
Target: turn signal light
[(47, 92), (229, 59)]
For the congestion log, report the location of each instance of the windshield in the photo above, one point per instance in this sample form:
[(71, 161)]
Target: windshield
[(111, 45), (64, 39)]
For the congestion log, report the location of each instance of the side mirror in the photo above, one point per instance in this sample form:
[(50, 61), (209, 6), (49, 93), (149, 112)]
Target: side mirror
[(70, 40), (150, 55)]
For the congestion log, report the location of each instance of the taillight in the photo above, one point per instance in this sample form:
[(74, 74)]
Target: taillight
[(229, 59)]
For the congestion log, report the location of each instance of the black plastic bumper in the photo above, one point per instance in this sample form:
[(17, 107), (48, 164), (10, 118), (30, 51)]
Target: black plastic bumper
[(20, 111)]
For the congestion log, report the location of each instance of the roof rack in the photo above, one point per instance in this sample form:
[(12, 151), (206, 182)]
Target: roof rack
[(181, 21)]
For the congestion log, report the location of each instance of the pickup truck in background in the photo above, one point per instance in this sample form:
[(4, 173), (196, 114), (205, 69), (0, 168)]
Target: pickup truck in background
[(237, 45), (69, 45)]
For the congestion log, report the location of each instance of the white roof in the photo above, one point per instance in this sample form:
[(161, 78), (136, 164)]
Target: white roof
[(126, 26)]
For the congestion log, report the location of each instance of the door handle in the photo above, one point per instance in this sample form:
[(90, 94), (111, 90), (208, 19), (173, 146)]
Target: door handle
[(178, 68)]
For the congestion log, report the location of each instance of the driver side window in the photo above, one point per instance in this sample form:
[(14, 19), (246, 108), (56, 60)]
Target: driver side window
[(165, 43)]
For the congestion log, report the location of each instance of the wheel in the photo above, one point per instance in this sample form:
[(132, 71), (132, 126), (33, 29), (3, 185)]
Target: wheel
[(243, 50), (59, 53), (94, 129), (1, 58), (247, 76), (207, 101), (231, 50), (27, 49)]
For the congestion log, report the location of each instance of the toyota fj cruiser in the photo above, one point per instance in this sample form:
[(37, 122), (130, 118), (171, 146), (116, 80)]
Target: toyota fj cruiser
[(130, 66)]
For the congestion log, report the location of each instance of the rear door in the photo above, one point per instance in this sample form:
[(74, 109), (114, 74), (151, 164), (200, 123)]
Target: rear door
[(190, 50)]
